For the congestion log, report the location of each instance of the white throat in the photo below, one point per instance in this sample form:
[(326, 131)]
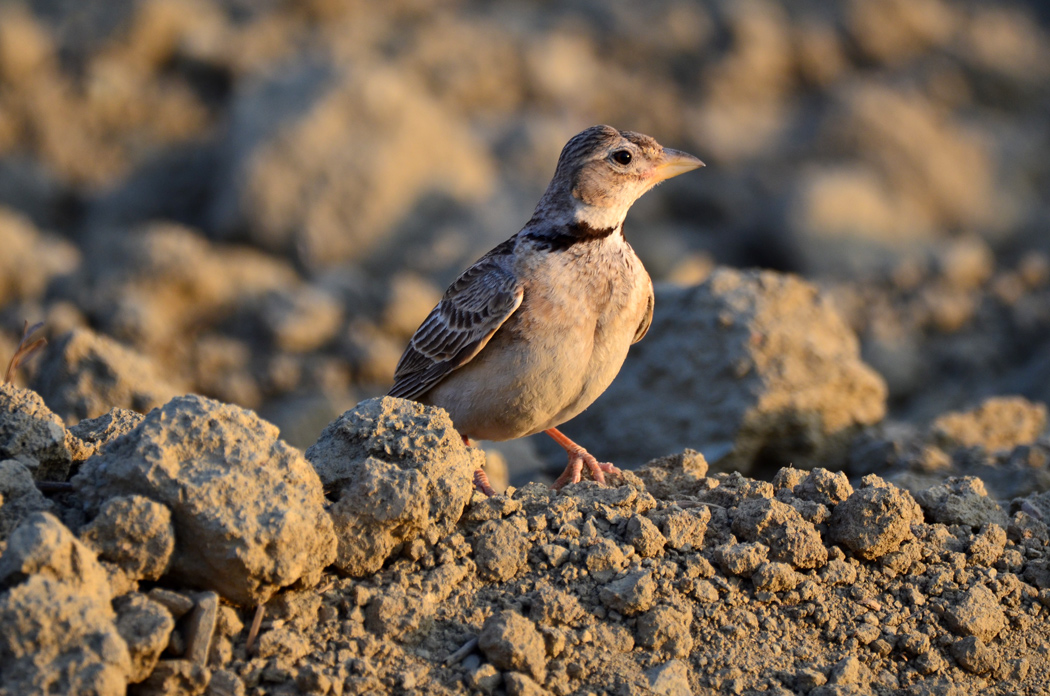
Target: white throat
[(598, 218)]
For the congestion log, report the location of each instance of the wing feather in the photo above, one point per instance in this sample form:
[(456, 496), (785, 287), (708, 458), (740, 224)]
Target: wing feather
[(469, 313), (647, 321)]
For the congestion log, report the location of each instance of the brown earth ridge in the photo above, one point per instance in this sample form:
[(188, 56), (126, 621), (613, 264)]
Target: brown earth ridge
[(377, 564)]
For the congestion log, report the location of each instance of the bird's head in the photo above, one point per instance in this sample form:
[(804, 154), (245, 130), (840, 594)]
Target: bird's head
[(603, 171)]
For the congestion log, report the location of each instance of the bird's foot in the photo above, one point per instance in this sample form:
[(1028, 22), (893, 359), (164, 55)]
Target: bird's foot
[(481, 479), (579, 458), (574, 469), (481, 483)]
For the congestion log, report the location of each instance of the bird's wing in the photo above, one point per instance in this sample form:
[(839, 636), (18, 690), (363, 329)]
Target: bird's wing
[(471, 311), (647, 321)]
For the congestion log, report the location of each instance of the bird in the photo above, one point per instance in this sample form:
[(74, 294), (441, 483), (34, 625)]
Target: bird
[(534, 331)]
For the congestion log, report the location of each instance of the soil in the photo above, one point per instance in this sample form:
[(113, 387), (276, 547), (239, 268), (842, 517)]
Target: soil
[(667, 579), (230, 217)]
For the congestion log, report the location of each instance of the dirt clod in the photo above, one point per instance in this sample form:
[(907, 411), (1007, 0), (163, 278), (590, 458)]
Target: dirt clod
[(398, 471), (875, 519), (19, 496), (33, 434), (977, 613), (961, 501), (511, 642), (670, 679), (630, 594), (200, 627), (666, 630), (499, 550), (790, 538), (85, 375), (133, 533), (774, 577), (743, 559), (645, 536), (88, 436), (175, 677), (57, 627), (229, 479), (998, 423), (974, 656), (145, 626)]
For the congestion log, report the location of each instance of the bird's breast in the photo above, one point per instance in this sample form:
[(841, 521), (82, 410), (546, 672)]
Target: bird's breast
[(582, 309)]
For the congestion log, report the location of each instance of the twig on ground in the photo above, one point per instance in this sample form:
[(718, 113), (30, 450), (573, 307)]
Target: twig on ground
[(467, 648), (253, 632), (695, 503), (25, 349)]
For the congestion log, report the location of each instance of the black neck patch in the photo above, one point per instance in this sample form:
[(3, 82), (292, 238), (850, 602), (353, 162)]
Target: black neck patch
[(566, 236)]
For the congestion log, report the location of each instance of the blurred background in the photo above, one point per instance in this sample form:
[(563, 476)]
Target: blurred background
[(260, 200)]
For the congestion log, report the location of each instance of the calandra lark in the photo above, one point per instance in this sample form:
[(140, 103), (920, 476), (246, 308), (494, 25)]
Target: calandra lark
[(531, 334)]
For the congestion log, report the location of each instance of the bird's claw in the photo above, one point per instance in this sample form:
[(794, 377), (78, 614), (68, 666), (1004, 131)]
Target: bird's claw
[(574, 469), (599, 469)]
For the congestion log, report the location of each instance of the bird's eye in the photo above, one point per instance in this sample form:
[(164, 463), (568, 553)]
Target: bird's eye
[(622, 157)]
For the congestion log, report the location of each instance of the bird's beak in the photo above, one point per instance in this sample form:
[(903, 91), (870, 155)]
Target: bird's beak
[(674, 162)]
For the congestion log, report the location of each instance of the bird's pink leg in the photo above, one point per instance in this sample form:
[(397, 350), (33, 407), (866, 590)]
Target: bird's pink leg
[(481, 479), (578, 457)]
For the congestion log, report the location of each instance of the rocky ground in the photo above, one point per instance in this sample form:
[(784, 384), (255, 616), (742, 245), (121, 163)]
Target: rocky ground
[(382, 571), (230, 216)]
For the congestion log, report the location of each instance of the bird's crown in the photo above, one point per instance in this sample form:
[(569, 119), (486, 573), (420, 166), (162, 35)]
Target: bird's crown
[(601, 172), (598, 139)]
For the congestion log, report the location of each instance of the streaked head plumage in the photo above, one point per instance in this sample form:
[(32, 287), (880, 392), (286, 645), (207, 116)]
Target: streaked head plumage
[(602, 171)]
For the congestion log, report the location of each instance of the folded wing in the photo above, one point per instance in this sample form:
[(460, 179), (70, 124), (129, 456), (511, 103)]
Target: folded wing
[(470, 312)]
